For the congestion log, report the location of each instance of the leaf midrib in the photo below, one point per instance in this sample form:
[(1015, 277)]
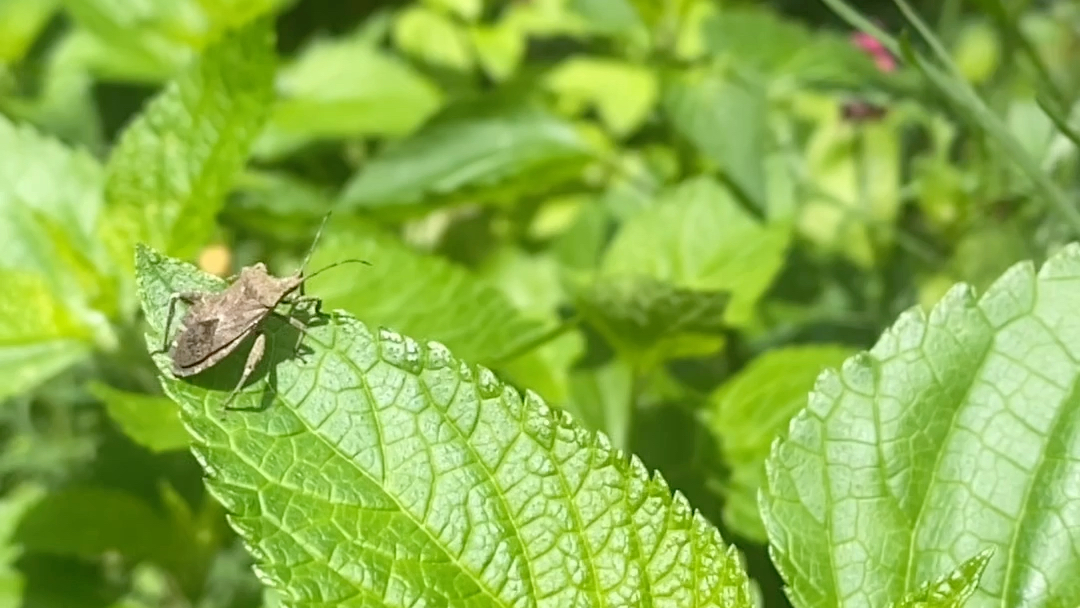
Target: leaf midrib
[(408, 514), (944, 443)]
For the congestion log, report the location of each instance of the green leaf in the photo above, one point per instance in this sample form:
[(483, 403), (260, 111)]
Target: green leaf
[(149, 420), (133, 40), (386, 471), (757, 38), (951, 590), (622, 93), (601, 398), (697, 237), (13, 506), (418, 293), (855, 184), (433, 38), (348, 88), (39, 335), (469, 10), (471, 148), (50, 201), (499, 48), (726, 119), (173, 166), (650, 321), (233, 13), (89, 521), (63, 104), (955, 434), (752, 408), (20, 23)]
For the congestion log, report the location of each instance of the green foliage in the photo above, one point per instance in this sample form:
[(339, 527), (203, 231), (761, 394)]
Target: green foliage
[(470, 149), (649, 233), (971, 405), (149, 420), (752, 408), (416, 443), (421, 294), (169, 173), (346, 88)]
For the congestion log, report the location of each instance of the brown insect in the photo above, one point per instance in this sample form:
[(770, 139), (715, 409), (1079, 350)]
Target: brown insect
[(216, 323), (860, 110)]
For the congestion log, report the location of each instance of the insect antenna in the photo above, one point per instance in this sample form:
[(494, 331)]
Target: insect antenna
[(314, 242), (338, 263)]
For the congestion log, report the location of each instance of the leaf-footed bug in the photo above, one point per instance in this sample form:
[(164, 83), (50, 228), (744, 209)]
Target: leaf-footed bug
[(216, 323)]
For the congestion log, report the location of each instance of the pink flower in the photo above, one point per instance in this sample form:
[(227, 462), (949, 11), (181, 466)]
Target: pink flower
[(873, 47)]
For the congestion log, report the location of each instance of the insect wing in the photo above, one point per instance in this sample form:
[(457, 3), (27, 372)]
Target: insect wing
[(204, 344)]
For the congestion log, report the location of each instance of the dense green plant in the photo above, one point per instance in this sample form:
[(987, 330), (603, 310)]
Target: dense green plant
[(670, 304)]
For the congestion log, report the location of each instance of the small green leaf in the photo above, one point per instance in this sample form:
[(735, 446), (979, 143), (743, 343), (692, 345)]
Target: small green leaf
[(855, 184), (149, 420), (469, 10), (39, 335), (650, 320), (500, 48), (623, 93), (472, 148), (697, 237), (752, 408), (726, 119), (601, 398), (134, 41), (50, 199), (173, 166), (422, 294), (386, 471), (433, 38), (605, 17), (955, 434), (13, 506), (348, 88), (950, 590)]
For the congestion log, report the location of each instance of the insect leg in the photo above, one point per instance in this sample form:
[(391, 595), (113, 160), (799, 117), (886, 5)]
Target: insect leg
[(258, 349), (188, 297), (300, 328)]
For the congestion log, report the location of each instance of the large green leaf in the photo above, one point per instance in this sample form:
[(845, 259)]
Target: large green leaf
[(957, 433), (751, 409), (383, 471), (472, 148), (348, 88), (175, 163), (422, 294)]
